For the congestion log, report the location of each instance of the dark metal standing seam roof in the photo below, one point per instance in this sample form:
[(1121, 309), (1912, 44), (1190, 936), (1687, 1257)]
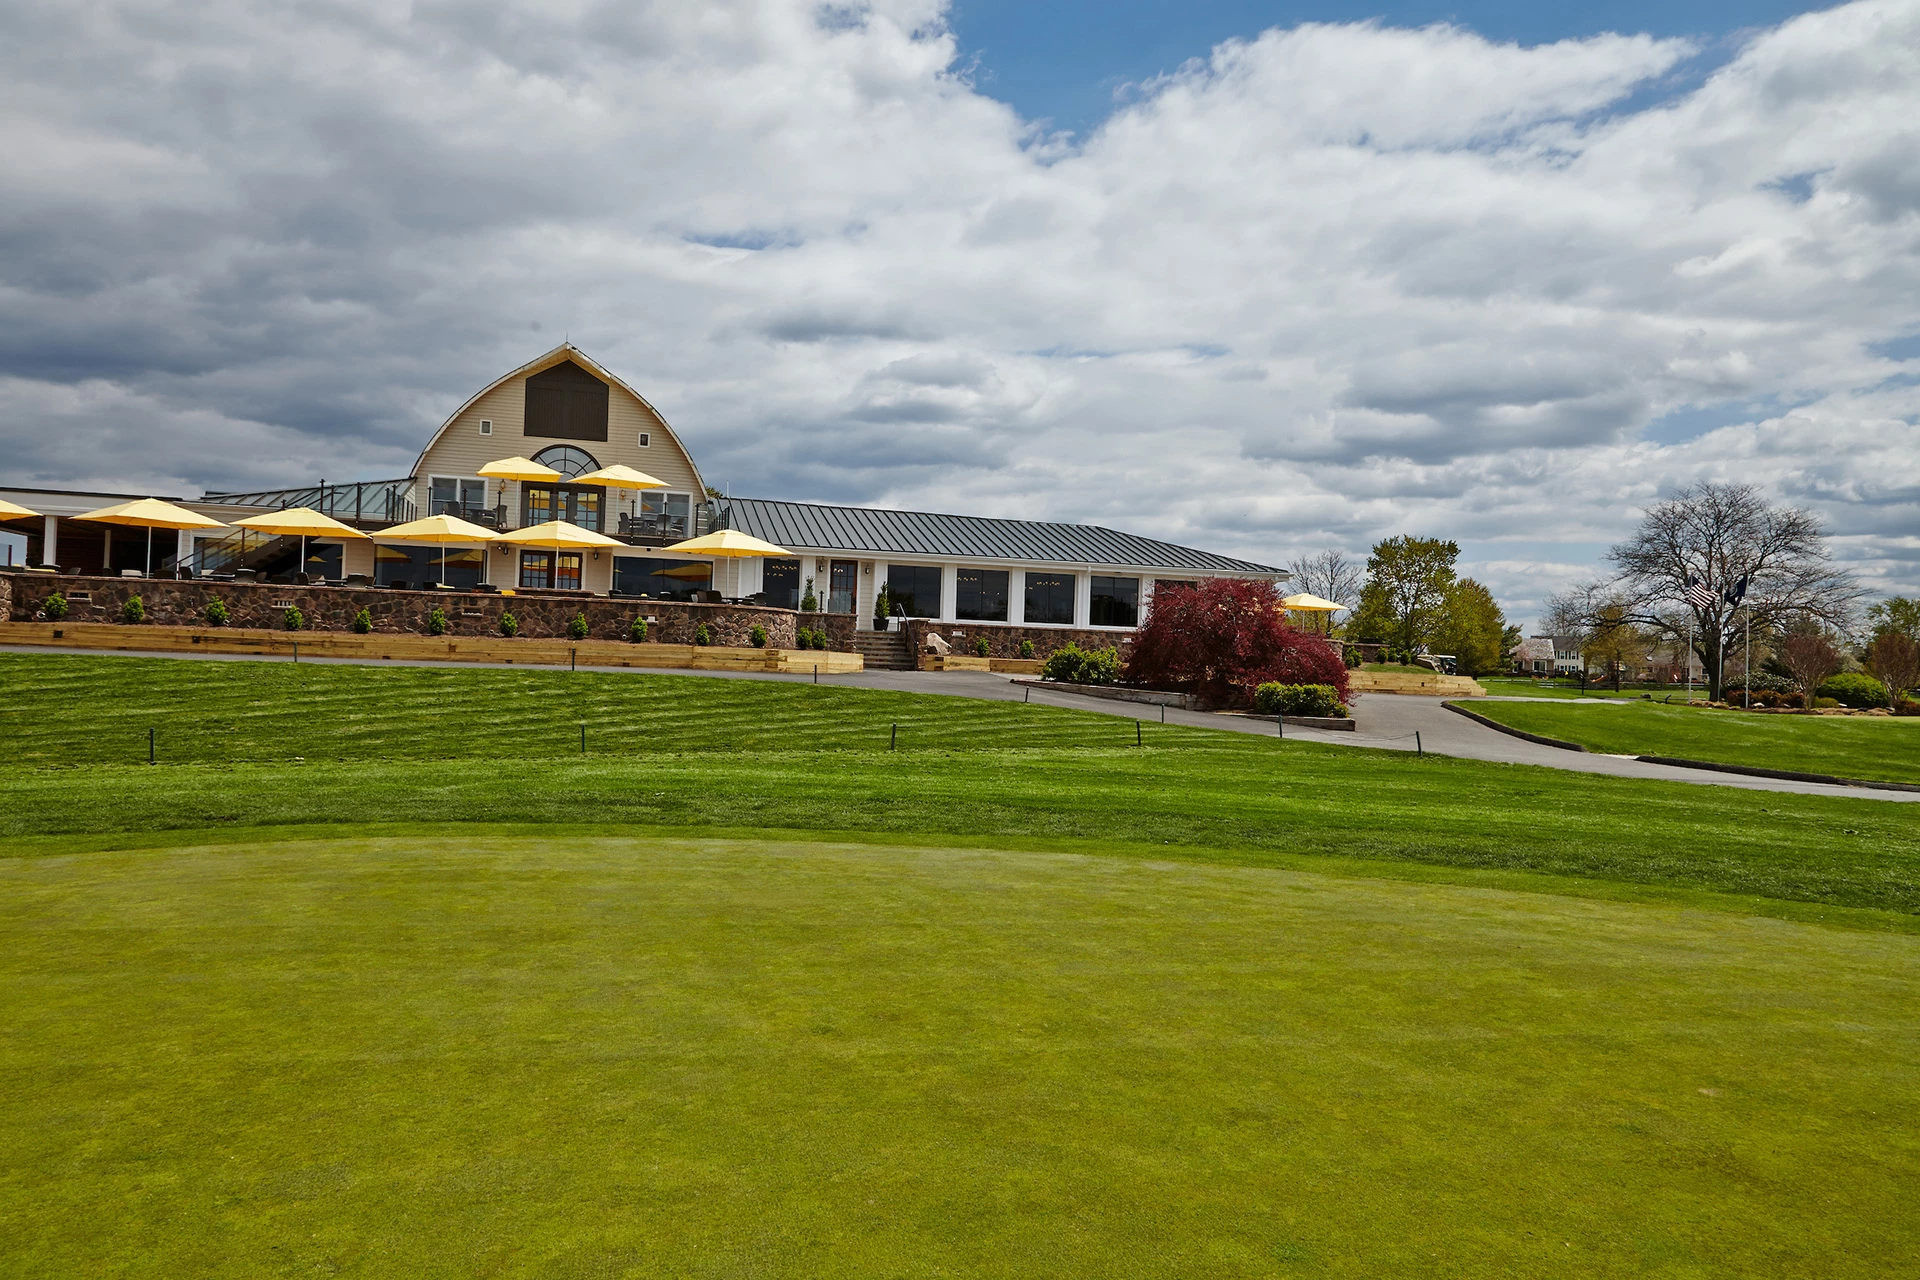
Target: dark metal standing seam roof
[(910, 533)]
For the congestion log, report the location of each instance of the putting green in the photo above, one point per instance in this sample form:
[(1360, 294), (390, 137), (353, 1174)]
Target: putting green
[(679, 1057)]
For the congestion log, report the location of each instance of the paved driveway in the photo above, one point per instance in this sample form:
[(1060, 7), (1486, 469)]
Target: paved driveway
[(1384, 720)]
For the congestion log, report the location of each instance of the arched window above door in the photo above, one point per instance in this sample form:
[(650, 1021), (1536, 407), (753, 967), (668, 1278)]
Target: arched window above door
[(567, 460)]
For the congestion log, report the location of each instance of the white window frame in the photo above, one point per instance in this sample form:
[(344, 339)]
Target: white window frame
[(457, 479), (486, 426)]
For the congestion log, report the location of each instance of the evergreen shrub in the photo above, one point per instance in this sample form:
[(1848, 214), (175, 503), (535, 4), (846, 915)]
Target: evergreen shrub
[(134, 610), (1275, 699), (1853, 689), (1070, 664)]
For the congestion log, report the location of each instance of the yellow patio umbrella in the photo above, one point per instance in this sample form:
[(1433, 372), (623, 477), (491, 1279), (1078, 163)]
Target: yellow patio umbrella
[(727, 542), (302, 521), (730, 544), (1307, 603), (13, 510), (561, 536), (517, 468), (619, 476), (151, 514), (438, 530)]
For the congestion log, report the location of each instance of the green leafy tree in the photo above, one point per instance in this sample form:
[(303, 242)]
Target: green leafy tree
[(1471, 628), (1404, 601), (1898, 615)]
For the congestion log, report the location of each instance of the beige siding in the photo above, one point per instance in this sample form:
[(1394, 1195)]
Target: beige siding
[(461, 450)]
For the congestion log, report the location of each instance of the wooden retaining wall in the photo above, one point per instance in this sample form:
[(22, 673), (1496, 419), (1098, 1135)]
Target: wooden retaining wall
[(417, 648), (1431, 686)]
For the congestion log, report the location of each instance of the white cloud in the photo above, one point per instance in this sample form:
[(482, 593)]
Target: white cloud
[(1330, 284)]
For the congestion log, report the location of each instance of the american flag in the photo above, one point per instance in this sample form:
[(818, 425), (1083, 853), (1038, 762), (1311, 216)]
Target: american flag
[(1700, 596)]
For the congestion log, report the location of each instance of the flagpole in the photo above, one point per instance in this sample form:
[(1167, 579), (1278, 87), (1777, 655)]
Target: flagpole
[(1746, 689)]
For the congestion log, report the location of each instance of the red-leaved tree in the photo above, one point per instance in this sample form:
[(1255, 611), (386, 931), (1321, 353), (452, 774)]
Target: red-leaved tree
[(1225, 638)]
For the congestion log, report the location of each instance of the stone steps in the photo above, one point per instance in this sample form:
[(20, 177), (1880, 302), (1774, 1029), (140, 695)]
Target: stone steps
[(884, 650)]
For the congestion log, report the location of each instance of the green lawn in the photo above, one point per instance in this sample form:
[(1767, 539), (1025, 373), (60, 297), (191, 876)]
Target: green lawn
[(1507, 687), (350, 748), (376, 974), (1884, 749), (428, 1055)]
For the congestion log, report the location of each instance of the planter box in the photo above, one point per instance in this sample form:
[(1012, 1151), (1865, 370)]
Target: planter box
[(954, 662), (1017, 666), (1118, 693)]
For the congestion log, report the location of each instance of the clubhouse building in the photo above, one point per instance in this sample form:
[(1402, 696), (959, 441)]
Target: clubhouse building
[(568, 413)]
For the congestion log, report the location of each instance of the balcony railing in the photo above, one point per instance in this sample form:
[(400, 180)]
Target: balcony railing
[(376, 502)]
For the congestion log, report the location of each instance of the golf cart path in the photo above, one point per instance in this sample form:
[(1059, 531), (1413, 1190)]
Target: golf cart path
[(1383, 720)]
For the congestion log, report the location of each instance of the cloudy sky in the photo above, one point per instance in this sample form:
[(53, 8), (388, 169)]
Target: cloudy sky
[(1253, 277)]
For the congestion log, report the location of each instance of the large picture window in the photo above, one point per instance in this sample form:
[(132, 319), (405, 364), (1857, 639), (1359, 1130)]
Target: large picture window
[(661, 579), (914, 589), (1115, 602), (425, 566), (980, 595), (550, 569), (1050, 598), (458, 496), (780, 580)]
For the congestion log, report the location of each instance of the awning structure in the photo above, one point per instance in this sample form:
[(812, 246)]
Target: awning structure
[(1305, 603)]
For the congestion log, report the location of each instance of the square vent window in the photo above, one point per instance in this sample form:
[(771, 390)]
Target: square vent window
[(643, 439), (486, 427)]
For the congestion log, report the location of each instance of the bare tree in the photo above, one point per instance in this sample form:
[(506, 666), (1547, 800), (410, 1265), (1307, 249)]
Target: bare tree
[(1894, 659), (1573, 613), (1811, 657), (1694, 553), (1329, 574)]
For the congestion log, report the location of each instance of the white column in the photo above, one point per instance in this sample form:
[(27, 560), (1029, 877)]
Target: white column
[(1082, 599), (949, 589), (50, 541), (1016, 596)]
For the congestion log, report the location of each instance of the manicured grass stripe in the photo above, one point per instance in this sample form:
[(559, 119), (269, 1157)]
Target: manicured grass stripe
[(1238, 796), (1883, 749), (71, 709)]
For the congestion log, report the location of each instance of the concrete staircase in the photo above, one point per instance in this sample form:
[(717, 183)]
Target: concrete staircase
[(884, 650)]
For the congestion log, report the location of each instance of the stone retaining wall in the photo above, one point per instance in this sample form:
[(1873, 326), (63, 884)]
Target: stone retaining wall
[(252, 604), (1003, 639)]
